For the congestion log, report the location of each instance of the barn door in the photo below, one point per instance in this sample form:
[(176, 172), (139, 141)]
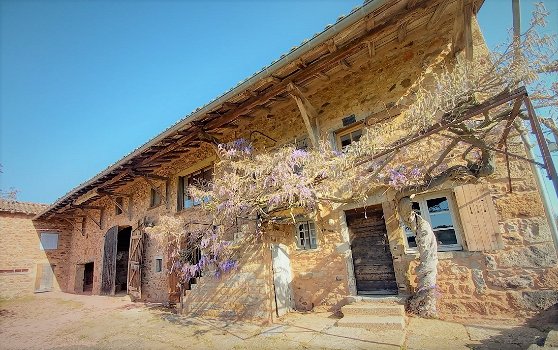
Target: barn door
[(109, 262), (135, 263), (282, 279)]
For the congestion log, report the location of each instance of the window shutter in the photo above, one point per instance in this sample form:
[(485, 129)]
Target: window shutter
[(478, 217)]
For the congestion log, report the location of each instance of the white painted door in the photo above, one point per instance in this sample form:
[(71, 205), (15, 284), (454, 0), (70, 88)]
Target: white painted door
[(44, 279), (282, 278)]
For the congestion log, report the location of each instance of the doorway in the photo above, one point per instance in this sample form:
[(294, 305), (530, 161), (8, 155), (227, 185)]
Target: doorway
[(88, 277), (282, 279), (122, 256), (115, 260), (372, 259)]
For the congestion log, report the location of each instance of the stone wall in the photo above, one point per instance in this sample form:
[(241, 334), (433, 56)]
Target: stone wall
[(515, 282), (245, 293), (505, 283), (21, 256)]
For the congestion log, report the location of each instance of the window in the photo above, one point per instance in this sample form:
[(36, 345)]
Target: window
[(306, 235), (199, 178), (120, 202), (158, 264), (347, 136), (437, 210), (155, 198), (49, 241)]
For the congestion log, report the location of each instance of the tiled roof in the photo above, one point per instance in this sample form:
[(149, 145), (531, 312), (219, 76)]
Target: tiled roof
[(12, 206)]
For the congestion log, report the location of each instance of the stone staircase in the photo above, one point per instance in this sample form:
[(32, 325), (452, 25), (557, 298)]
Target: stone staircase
[(374, 313)]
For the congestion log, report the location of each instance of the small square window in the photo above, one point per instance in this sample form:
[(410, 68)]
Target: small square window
[(306, 235), (119, 204), (155, 198), (349, 135), (49, 241), (158, 264)]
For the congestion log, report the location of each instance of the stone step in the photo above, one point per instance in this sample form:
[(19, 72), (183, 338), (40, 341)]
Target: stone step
[(376, 299), (373, 323), (373, 309)]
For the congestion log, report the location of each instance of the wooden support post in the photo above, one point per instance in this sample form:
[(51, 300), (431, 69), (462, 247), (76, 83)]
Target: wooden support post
[(463, 32), (468, 31), (167, 193), (155, 188), (371, 48), (115, 202), (308, 112), (401, 32), (98, 223), (543, 146)]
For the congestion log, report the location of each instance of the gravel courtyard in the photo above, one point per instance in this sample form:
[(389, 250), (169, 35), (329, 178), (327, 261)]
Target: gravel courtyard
[(66, 321)]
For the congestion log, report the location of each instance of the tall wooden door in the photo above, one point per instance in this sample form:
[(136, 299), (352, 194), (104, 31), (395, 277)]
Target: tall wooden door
[(373, 263), (109, 262), (135, 263), (282, 279), (44, 278)]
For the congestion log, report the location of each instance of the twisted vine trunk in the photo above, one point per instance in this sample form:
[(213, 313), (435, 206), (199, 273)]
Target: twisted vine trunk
[(423, 303)]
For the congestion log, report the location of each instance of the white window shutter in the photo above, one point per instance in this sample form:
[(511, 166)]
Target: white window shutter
[(478, 217)]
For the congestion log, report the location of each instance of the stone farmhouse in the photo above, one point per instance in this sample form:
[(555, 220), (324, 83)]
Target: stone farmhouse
[(496, 251)]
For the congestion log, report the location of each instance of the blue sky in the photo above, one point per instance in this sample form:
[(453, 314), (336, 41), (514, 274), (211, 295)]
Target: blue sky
[(83, 83)]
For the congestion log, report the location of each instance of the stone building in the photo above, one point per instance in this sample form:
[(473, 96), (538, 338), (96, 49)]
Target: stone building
[(33, 252), (497, 257)]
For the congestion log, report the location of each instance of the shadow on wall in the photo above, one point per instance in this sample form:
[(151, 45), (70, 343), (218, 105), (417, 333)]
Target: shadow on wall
[(52, 257), (239, 295)]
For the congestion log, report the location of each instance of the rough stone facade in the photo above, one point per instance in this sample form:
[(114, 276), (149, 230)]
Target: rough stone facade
[(516, 281)]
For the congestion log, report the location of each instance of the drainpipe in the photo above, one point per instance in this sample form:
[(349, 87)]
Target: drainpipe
[(539, 181)]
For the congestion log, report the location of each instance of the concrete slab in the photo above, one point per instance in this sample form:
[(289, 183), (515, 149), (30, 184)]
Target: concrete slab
[(373, 323)]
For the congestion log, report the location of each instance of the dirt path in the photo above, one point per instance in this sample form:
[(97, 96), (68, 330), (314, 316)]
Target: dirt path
[(67, 321)]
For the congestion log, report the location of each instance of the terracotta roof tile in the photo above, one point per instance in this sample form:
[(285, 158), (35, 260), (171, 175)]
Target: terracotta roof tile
[(12, 206)]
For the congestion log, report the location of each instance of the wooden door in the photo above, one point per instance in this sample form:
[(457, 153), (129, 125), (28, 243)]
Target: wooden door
[(135, 263), (109, 262), (373, 263), (282, 279), (44, 278)]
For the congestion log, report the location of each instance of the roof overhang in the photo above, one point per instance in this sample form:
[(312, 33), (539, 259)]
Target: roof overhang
[(348, 33)]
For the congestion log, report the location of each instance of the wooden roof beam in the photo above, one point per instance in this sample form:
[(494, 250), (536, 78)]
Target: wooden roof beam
[(349, 49)]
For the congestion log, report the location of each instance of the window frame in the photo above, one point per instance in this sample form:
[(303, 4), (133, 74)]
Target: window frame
[(117, 210), (52, 233), (454, 215), (157, 259), (183, 183), (348, 130), (153, 194), (300, 246)]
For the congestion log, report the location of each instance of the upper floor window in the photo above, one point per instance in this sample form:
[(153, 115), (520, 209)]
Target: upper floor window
[(345, 137), (306, 235), (439, 212), (198, 178), (155, 197), (49, 241), (119, 206)]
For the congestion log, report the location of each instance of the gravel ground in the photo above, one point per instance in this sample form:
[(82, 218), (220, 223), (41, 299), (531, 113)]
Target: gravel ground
[(67, 321)]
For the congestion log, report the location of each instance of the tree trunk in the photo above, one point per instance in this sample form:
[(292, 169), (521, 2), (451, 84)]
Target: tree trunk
[(423, 303)]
